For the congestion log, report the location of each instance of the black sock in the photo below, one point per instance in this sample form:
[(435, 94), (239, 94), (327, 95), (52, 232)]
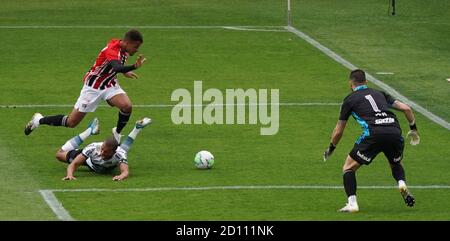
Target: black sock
[(350, 182), (397, 172), (54, 120), (122, 121)]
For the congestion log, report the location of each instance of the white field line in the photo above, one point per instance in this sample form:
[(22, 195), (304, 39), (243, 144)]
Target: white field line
[(255, 29), (172, 105), (438, 120), (155, 189), (385, 73), (126, 27), (55, 205), (64, 215)]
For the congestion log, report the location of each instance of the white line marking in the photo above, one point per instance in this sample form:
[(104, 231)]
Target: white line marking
[(369, 77), (55, 205), (124, 26), (172, 105), (384, 73), (255, 29), (156, 189)]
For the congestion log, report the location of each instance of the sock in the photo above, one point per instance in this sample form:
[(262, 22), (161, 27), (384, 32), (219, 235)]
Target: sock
[(126, 145), (398, 172), (75, 142), (54, 120), (350, 183), (122, 121), (352, 199), (401, 183)]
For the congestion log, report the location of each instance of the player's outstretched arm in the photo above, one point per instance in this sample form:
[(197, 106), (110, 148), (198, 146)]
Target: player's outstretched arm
[(413, 134), (78, 161), (398, 105), (124, 172), (335, 138)]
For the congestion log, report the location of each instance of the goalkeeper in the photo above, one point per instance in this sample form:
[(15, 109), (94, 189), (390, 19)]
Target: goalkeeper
[(381, 133)]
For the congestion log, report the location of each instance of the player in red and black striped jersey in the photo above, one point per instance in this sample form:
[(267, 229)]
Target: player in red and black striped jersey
[(381, 133), (100, 83)]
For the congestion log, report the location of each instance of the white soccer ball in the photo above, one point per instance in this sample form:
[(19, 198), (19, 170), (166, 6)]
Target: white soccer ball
[(204, 160)]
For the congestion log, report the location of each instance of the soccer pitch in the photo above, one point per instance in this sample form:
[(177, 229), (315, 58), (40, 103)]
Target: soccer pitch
[(49, 46)]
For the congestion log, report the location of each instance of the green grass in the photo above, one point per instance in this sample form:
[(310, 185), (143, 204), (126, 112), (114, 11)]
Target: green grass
[(45, 66), (412, 44), (254, 205)]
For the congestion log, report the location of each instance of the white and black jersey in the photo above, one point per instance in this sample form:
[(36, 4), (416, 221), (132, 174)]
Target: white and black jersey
[(97, 163)]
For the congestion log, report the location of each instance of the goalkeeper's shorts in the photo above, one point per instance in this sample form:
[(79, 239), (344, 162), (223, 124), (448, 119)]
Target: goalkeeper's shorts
[(391, 145)]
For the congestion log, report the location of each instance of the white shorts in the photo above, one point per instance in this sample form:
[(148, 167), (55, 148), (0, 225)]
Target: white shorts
[(90, 98)]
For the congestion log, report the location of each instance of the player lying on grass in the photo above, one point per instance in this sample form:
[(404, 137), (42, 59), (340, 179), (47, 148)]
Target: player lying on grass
[(381, 133), (100, 157), (101, 83)]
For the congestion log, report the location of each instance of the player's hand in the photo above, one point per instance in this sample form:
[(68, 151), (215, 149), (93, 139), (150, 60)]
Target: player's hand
[(140, 61), (414, 136), (131, 75), (327, 153), (68, 178), (119, 178)]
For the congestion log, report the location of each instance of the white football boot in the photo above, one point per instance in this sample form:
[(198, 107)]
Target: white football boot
[(350, 208), (407, 196), (94, 125), (33, 123), (116, 135), (143, 123)]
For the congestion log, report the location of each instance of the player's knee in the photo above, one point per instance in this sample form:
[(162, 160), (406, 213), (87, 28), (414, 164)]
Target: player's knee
[(60, 155), (394, 164), (127, 108), (72, 123)]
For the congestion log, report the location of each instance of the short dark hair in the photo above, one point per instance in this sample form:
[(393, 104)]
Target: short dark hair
[(133, 35), (358, 76), (112, 143)]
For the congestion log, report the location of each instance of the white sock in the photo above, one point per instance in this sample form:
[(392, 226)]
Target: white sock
[(85, 134), (401, 183), (352, 200), (134, 133), (36, 121), (75, 142)]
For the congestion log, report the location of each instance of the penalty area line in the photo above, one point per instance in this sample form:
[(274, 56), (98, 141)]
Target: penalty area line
[(56, 206), (156, 189), (130, 26), (62, 214), (172, 105)]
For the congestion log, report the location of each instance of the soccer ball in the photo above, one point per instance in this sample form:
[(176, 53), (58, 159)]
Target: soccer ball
[(204, 160)]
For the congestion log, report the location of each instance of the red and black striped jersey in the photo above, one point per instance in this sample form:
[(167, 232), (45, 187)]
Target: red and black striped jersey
[(101, 75)]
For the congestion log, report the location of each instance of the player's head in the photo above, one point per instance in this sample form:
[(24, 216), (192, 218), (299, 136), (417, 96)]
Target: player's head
[(357, 77), (109, 148), (132, 41)]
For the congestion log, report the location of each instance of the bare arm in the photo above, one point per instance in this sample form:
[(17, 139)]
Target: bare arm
[(398, 105), (413, 134), (338, 132), (335, 138), (124, 172), (78, 161)]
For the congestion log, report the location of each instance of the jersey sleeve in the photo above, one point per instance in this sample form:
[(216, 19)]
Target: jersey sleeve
[(121, 155), (389, 99), (88, 150), (346, 110)]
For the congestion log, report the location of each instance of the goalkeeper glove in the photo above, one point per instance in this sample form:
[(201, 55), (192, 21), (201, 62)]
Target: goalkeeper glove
[(413, 134), (327, 153)]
